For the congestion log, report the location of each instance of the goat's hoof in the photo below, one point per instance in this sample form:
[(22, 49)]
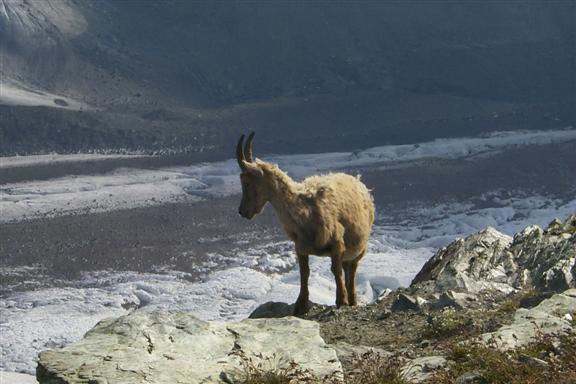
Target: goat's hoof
[(301, 308)]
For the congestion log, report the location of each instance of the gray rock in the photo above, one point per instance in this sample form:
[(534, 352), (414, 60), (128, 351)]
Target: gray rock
[(470, 264), (178, 348), (453, 299), (405, 302), (548, 256), (348, 352), (490, 260), (547, 318), (533, 361), (421, 302), (424, 343), (272, 309), (384, 294), (421, 369), (470, 378)]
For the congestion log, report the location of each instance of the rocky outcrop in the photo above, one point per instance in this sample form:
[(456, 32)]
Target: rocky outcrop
[(553, 316), (178, 348), (541, 259)]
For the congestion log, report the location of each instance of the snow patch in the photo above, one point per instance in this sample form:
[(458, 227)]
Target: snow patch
[(130, 188), (54, 158), (12, 94)]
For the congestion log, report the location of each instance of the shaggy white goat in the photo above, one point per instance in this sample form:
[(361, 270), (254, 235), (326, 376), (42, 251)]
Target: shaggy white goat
[(330, 215)]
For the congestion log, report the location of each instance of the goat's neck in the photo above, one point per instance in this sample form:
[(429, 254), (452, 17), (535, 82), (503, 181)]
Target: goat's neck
[(285, 198)]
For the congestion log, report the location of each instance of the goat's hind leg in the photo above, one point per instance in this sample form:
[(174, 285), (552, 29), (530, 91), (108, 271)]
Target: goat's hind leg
[(301, 305), (341, 291), (350, 277), (350, 268)]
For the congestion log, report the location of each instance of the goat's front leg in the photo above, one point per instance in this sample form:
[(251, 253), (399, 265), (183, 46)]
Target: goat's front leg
[(341, 292), (302, 303)]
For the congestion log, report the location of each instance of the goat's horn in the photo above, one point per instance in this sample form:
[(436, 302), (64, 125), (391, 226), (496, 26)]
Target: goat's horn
[(248, 148), (240, 153)]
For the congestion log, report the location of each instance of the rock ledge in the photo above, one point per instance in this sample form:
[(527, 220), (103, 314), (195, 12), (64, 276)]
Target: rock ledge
[(178, 348)]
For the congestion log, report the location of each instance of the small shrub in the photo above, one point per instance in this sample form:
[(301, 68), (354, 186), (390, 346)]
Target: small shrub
[(373, 368), (271, 370), (449, 322)]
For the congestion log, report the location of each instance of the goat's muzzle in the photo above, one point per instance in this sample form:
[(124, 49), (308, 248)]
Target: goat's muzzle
[(245, 214)]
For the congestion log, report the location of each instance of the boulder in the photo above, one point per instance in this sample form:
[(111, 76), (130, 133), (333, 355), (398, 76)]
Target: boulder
[(547, 318), (489, 260), (158, 347), (272, 309), (405, 302)]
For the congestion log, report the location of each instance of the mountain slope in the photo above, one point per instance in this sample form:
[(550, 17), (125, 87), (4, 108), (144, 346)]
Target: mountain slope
[(179, 74)]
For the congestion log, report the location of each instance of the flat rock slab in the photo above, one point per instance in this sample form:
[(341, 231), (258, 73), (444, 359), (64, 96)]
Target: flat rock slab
[(547, 318), (160, 347)]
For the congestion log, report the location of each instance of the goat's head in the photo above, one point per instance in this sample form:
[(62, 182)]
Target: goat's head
[(255, 191)]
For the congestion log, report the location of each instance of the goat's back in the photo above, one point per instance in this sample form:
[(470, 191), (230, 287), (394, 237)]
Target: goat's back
[(344, 201)]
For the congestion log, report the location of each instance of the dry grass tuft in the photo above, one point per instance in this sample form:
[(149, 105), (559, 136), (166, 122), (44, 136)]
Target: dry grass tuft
[(373, 368), (262, 369), (548, 360), (447, 323)]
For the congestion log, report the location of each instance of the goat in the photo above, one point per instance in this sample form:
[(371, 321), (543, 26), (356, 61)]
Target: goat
[(329, 215)]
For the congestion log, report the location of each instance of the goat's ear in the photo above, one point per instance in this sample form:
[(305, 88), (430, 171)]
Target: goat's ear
[(253, 169)]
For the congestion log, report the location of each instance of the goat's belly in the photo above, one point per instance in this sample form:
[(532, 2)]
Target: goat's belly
[(349, 254), (352, 253), (324, 252)]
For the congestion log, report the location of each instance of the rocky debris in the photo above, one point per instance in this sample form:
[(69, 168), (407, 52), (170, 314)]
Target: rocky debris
[(533, 361), (422, 368), (547, 318), (384, 294), (404, 302), (473, 377), (489, 260), (348, 352), (176, 347), (453, 299)]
